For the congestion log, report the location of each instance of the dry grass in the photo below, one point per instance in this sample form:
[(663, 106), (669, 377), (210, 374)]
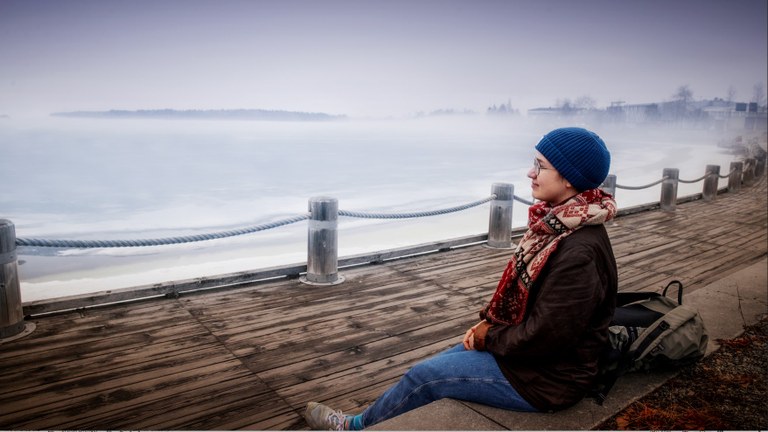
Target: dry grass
[(727, 390)]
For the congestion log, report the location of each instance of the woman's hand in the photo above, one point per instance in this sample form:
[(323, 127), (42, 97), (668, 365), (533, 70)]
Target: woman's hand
[(469, 338), (474, 339)]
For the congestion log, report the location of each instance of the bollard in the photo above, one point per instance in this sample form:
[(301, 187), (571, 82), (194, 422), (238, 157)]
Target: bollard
[(669, 189), (322, 242), (734, 178), (609, 185), (749, 171), (760, 166), (709, 192), (11, 314), (500, 219)]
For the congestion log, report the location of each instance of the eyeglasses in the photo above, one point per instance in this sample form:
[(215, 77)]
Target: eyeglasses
[(537, 166)]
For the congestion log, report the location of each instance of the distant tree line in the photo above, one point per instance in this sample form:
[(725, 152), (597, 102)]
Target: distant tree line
[(224, 114), (503, 109)]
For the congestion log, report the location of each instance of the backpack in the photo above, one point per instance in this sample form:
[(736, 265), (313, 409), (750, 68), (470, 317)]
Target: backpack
[(649, 331)]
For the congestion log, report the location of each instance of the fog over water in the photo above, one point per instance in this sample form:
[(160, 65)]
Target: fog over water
[(373, 58), (137, 179)]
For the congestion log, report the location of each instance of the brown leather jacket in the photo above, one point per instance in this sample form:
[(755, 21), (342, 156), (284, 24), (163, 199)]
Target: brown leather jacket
[(551, 357)]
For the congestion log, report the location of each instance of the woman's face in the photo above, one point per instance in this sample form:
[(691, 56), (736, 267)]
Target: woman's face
[(547, 184)]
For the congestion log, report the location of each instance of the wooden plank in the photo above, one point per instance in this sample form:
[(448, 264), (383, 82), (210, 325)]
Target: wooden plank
[(213, 404), (338, 361), (71, 411), (62, 345), (60, 370), (61, 387), (350, 382), (332, 334)]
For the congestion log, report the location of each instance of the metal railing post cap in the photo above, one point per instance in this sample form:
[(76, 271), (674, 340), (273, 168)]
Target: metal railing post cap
[(323, 208)]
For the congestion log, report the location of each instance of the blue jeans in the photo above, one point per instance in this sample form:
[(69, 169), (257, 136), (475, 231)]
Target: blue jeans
[(471, 376)]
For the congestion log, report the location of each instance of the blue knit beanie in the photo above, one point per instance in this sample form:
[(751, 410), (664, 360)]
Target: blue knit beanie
[(578, 155)]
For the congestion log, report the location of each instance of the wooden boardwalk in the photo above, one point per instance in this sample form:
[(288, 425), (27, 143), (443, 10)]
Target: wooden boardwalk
[(251, 357)]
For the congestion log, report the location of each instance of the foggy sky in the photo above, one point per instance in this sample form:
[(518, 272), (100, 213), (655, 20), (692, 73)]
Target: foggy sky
[(372, 58)]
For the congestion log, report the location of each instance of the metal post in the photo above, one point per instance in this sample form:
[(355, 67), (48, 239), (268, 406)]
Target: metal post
[(760, 166), (500, 219), (609, 185), (12, 325), (709, 192), (734, 178), (749, 171), (322, 242), (669, 189)]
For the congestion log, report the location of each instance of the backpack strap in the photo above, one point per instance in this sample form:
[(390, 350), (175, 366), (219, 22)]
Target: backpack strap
[(602, 395), (663, 325), (625, 298), (648, 340), (679, 290)]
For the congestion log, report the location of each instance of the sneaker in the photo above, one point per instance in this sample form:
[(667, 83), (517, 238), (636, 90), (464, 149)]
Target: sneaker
[(321, 417)]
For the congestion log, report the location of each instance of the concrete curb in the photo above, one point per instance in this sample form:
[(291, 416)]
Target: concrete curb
[(726, 306)]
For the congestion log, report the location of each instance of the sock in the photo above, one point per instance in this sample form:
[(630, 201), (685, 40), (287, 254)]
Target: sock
[(353, 422)]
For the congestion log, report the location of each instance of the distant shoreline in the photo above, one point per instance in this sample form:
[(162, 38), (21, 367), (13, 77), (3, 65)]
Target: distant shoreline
[(223, 114)]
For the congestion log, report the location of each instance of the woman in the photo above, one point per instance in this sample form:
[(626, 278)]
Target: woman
[(537, 345)]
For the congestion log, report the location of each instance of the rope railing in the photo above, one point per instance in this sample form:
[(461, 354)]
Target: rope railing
[(522, 200), (84, 244), (693, 181), (727, 175), (618, 186), (366, 215), (661, 180)]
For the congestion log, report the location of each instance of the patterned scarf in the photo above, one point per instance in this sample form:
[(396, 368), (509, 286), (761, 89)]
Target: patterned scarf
[(547, 226)]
